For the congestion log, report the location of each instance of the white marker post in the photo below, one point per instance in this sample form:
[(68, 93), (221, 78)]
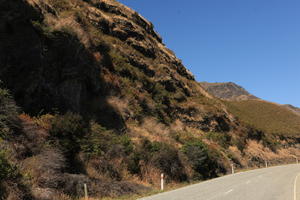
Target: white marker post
[(162, 181), (232, 168), (266, 163), (85, 192), (296, 158)]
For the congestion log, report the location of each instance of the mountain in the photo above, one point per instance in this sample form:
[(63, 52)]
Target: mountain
[(263, 115), (240, 99), (89, 94), (229, 91)]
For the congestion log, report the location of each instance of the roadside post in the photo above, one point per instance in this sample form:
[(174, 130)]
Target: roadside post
[(232, 168), (266, 163), (85, 192), (297, 162), (162, 181)]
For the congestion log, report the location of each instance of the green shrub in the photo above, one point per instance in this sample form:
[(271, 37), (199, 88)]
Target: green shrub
[(101, 141), (7, 171), (270, 142), (202, 159), (223, 139), (165, 158), (133, 163), (67, 132), (183, 136), (8, 114)]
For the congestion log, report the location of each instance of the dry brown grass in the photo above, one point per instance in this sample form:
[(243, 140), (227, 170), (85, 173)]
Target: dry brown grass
[(256, 150), (150, 129), (237, 155), (120, 105), (44, 121), (266, 116)]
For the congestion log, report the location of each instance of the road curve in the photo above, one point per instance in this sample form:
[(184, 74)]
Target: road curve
[(274, 183)]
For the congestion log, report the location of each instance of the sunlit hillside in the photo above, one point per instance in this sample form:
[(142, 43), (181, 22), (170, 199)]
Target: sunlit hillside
[(266, 116)]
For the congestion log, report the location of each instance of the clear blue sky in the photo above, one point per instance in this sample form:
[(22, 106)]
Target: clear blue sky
[(255, 43)]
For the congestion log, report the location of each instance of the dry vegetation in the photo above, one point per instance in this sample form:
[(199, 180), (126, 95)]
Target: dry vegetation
[(268, 117), (112, 107)]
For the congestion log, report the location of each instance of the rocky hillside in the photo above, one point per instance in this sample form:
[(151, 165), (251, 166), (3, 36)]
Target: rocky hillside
[(228, 91), (90, 94)]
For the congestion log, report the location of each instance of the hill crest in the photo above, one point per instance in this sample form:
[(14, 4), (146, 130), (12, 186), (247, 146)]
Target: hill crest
[(228, 90)]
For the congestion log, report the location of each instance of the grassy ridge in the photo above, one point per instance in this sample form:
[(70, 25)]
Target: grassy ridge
[(266, 116)]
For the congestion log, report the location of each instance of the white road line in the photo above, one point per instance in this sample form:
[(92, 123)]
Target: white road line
[(295, 187), (229, 191)]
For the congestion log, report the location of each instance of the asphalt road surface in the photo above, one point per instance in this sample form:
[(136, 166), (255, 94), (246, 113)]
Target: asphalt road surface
[(274, 183)]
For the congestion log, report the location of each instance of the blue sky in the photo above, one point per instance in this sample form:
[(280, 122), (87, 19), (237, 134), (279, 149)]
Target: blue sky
[(254, 43)]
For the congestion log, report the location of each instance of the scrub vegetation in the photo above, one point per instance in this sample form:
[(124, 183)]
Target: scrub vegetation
[(91, 95)]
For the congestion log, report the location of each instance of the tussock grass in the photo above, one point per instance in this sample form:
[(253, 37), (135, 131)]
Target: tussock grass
[(265, 116)]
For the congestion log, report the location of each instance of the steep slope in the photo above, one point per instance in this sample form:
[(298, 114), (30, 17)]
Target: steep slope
[(77, 54), (107, 104), (229, 91)]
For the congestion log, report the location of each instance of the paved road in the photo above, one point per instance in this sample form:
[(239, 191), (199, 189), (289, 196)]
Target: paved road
[(274, 183)]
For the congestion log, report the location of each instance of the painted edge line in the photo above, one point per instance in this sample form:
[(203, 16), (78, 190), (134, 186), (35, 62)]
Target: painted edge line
[(229, 191), (295, 187)]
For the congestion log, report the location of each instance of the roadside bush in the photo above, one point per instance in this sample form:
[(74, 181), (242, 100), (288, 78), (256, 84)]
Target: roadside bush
[(223, 139), (133, 163), (202, 159), (108, 154), (46, 169), (100, 142), (165, 158), (66, 133), (8, 113), (68, 130), (7, 171), (270, 142)]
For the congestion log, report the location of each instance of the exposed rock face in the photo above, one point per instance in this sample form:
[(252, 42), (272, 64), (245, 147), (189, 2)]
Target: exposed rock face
[(228, 91)]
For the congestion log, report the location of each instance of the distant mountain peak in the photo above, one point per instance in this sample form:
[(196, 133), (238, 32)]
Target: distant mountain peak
[(228, 91)]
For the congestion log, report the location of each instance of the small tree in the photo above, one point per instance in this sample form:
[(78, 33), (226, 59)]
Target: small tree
[(67, 131), (199, 156)]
